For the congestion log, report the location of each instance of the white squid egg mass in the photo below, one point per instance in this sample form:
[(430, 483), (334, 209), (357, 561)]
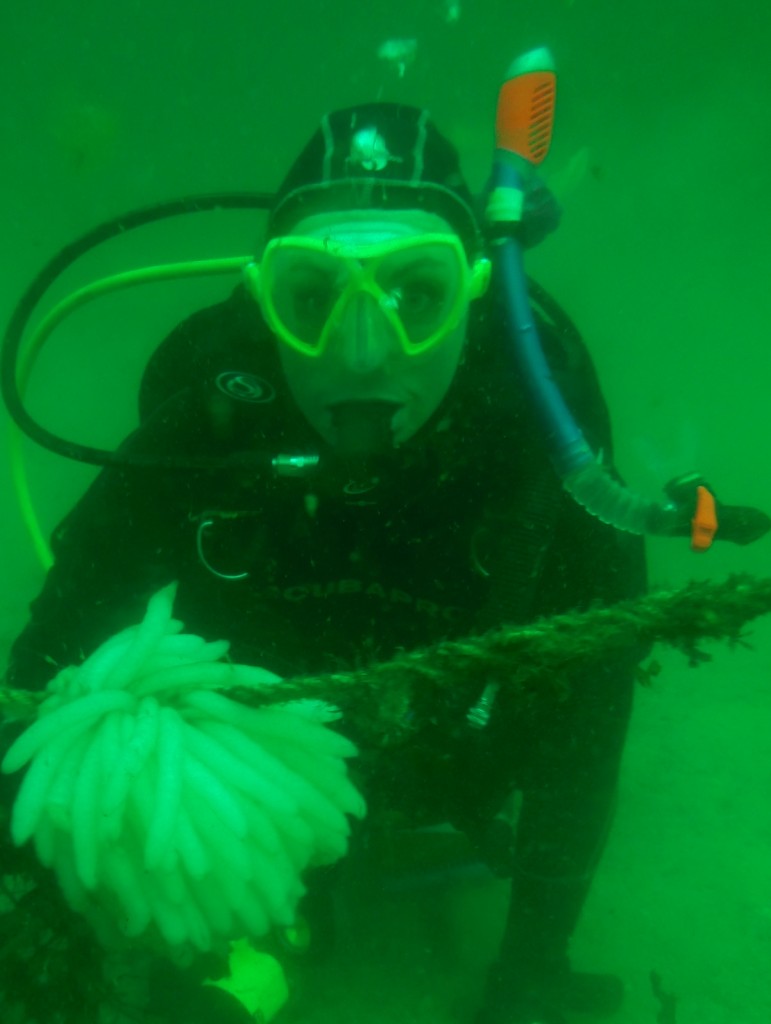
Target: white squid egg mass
[(168, 809)]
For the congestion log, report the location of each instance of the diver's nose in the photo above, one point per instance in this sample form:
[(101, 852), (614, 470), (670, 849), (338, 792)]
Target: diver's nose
[(364, 337)]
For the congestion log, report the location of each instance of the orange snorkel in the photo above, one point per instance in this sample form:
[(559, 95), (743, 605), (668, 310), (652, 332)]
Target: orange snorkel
[(523, 130), (524, 120)]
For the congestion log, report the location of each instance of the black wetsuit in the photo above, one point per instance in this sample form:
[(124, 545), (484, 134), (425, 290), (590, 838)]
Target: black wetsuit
[(462, 527)]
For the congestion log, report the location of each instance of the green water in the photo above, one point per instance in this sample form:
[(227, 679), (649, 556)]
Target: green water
[(661, 155)]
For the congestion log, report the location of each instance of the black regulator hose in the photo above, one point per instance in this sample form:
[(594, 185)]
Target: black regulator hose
[(27, 305)]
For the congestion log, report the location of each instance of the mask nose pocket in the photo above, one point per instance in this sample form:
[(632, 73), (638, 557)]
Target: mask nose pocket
[(364, 332)]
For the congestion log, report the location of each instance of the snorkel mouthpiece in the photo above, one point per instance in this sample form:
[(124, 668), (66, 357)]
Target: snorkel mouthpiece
[(363, 428)]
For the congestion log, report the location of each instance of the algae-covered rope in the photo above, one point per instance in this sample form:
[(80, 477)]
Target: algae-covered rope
[(396, 695), (389, 700)]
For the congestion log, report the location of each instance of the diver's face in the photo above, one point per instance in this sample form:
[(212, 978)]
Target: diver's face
[(367, 318)]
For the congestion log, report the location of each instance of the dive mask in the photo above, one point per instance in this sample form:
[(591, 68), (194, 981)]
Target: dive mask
[(422, 285)]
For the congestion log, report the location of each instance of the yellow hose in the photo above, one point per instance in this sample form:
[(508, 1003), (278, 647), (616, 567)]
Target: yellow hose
[(41, 334)]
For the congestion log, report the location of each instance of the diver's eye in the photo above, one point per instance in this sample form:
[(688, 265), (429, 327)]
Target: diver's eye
[(417, 298), (312, 303), (308, 295)]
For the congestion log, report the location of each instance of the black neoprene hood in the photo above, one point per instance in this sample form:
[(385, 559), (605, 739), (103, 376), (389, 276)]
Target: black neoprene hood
[(385, 156)]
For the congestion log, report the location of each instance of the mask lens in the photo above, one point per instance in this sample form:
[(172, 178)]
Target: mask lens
[(420, 286), (303, 289), (423, 286)]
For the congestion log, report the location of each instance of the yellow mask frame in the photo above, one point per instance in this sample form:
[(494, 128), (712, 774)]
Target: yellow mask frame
[(359, 265)]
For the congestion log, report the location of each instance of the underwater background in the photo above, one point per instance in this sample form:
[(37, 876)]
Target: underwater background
[(661, 156)]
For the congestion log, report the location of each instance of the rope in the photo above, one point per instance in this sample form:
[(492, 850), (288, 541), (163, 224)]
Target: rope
[(540, 657)]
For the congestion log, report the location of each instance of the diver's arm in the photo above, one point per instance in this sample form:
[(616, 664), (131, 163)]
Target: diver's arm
[(228, 335), (111, 552)]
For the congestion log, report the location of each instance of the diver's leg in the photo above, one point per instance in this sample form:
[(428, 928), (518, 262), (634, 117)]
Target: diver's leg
[(569, 787)]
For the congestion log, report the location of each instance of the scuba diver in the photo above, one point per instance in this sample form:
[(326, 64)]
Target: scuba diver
[(414, 495)]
